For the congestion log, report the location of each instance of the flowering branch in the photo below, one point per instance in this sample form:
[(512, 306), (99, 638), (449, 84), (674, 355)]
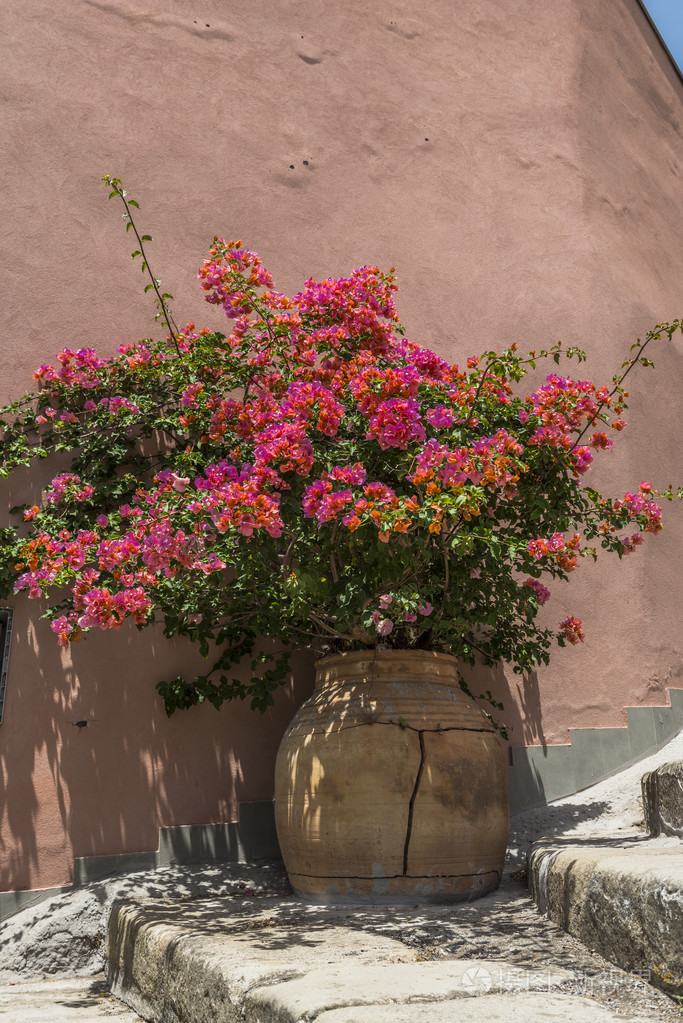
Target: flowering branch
[(311, 476)]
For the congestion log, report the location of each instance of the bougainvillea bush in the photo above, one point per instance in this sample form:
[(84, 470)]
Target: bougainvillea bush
[(312, 476)]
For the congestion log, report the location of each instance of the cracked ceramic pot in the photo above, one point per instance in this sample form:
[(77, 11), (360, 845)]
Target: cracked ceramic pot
[(391, 785)]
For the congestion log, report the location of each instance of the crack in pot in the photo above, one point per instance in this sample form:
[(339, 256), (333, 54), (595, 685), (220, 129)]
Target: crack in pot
[(411, 805)]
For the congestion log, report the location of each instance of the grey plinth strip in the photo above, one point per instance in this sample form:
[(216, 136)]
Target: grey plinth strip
[(251, 839), (540, 774), (14, 902), (248, 840)]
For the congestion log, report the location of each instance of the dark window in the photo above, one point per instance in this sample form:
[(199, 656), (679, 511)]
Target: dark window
[(5, 639)]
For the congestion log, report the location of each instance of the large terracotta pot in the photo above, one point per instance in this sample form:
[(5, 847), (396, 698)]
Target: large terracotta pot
[(391, 785)]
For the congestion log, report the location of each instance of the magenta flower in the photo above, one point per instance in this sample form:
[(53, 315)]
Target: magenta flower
[(396, 424), (542, 593)]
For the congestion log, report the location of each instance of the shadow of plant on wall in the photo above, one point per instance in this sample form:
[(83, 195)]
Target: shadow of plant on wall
[(71, 789)]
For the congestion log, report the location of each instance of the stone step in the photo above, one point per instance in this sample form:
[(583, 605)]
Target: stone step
[(278, 961), (663, 799), (624, 901)]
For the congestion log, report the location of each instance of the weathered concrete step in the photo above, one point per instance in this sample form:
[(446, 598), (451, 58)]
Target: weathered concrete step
[(663, 799), (200, 962), (623, 901)]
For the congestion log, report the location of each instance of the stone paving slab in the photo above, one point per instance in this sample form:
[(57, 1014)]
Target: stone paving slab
[(526, 1008), (626, 902), (74, 999), (389, 986), (281, 961)]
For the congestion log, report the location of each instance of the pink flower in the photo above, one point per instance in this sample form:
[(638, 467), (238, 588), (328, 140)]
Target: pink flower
[(425, 609), (348, 474), (385, 627), (180, 483), (572, 630), (542, 593), (441, 417), (396, 424), (600, 440), (637, 505), (102, 520), (582, 459), (385, 600), (631, 542)]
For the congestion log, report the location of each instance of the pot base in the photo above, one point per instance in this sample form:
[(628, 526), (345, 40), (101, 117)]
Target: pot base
[(393, 891)]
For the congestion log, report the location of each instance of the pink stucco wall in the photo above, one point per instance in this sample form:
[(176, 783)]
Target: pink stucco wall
[(518, 161)]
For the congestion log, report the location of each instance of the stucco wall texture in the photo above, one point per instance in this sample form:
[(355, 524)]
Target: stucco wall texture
[(518, 161)]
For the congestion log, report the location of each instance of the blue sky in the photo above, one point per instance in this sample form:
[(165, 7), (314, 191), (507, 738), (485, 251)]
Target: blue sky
[(668, 17)]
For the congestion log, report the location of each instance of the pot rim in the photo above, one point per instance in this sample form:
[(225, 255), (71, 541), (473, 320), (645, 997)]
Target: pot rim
[(374, 654)]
